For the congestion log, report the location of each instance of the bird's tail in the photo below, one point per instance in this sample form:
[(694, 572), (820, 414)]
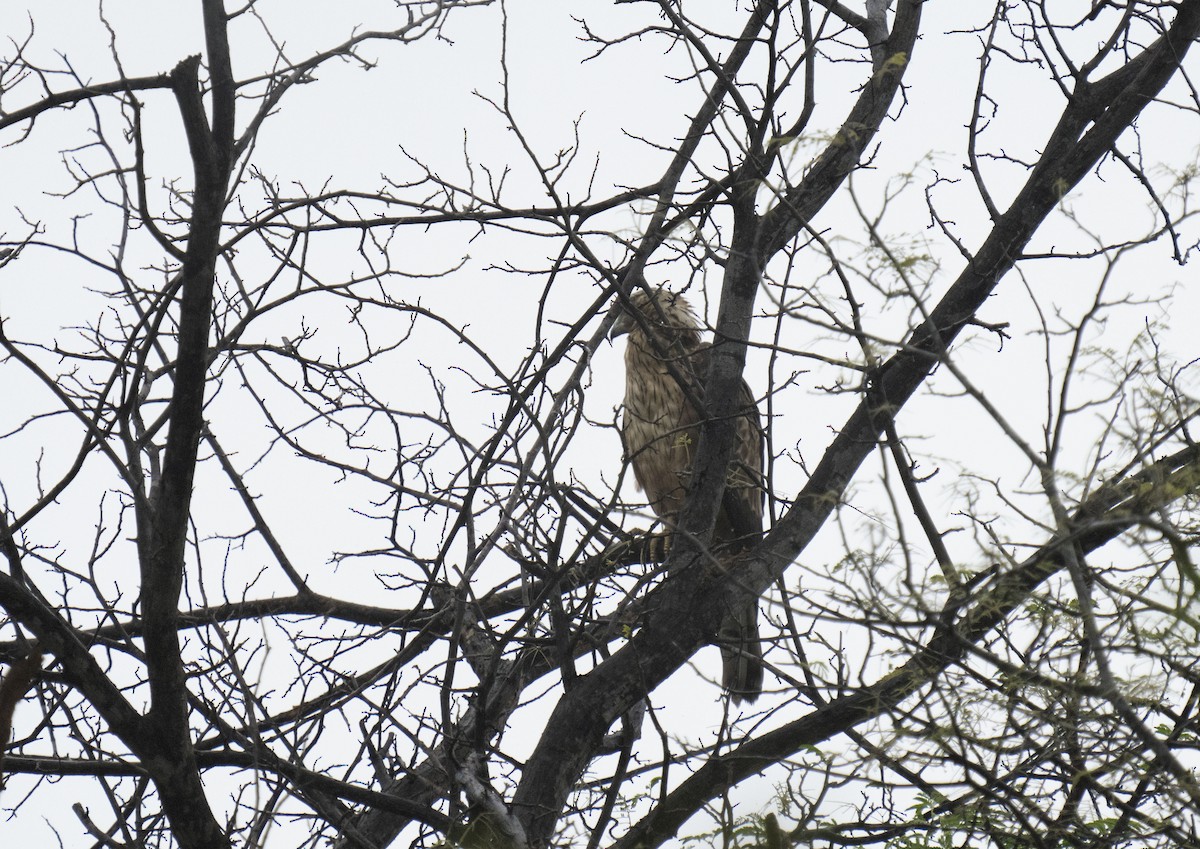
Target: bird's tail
[(741, 654)]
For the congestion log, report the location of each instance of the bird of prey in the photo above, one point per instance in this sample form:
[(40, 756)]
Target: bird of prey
[(665, 365)]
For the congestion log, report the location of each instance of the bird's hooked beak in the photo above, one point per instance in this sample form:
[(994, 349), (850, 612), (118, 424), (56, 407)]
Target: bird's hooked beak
[(622, 325)]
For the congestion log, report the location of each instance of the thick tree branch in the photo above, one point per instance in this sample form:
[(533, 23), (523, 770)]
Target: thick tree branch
[(163, 523), (79, 95), (1109, 513)]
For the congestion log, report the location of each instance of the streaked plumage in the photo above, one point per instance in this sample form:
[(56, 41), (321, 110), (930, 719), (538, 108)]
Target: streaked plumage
[(660, 430)]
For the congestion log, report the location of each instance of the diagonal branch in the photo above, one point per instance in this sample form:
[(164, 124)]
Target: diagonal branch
[(1106, 515), (79, 95)]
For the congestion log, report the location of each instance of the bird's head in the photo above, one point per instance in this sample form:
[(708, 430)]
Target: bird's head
[(668, 313)]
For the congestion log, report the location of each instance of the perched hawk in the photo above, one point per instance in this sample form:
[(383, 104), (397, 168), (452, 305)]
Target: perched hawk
[(660, 430)]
